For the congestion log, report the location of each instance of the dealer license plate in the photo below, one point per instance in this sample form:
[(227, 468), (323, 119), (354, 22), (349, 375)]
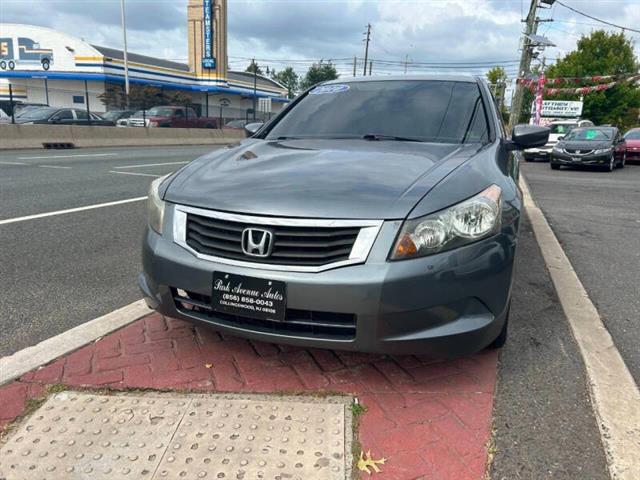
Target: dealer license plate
[(249, 296)]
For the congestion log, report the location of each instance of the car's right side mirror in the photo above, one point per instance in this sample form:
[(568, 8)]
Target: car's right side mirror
[(251, 128), (529, 136), (561, 137)]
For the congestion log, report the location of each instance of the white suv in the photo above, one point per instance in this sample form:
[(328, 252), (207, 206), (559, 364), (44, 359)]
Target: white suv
[(559, 129)]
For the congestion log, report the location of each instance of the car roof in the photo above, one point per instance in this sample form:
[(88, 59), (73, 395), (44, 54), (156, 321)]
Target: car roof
[(379, 78)]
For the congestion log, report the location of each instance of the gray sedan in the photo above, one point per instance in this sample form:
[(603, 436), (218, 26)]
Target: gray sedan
[(374, 214)]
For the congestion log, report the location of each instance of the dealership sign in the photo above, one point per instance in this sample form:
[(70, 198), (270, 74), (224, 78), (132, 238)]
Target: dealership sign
[(208, 61), (559, 108)]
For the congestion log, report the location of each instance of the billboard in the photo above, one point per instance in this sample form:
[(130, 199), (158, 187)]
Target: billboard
[(559, 108), (208, 60)]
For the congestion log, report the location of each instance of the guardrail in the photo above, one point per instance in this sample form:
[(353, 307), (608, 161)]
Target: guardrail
[(37, 136)]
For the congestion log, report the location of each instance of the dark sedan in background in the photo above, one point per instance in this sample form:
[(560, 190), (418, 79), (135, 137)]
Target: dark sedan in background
[(601, 147), (61, 116), (373, 214), (632, 145)]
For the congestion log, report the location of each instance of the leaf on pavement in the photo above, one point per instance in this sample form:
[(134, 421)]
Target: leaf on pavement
[(365, 462)]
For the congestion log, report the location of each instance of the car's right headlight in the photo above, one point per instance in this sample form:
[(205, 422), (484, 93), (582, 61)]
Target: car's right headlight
[(601, 151), (557, 148), (467, 222), (155, 205)]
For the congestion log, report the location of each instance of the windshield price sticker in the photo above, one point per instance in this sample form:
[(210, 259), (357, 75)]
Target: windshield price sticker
[(322, 89)]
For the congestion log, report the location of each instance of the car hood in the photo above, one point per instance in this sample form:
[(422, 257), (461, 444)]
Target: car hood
[(632, 143), (317, 178)]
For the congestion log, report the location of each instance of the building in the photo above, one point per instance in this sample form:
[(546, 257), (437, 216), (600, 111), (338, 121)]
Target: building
[(41, 65)]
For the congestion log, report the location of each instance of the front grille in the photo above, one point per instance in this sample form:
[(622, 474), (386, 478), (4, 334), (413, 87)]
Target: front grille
[(299, 323), (136, 122), (573, 151), (293, 245)]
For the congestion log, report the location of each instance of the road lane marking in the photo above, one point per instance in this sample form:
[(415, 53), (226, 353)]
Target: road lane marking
[(614, 394), (71, 156), (21, 362), (139, 174), (151, 165), (71, 210), (13, 163), (52, 166)]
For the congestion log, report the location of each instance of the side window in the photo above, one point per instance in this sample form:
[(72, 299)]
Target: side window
[(178, 113), (81, 115), (63, 115)]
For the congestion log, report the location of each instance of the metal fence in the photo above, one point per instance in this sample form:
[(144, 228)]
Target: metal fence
[(97, 97)]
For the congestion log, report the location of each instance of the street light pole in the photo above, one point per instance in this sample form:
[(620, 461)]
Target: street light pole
[(366, 48), (126, 59), (255, 86)]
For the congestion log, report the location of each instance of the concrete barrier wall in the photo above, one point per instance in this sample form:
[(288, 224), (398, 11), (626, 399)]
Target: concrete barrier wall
[(34, 136)]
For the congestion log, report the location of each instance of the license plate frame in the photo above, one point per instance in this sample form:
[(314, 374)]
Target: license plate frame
[(247, 296)]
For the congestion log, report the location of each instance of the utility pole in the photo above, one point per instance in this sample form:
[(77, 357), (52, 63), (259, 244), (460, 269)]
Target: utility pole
[(126, 59), (370, 66), (366, 48), (406, 63), (525, 64), (255, 86), (355, 64)]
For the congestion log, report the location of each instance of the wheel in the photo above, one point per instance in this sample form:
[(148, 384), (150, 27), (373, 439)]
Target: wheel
[(3, 65), (612, 164), (623, 161), (501, 339), (46, 63), (11, 64), (554, 166)]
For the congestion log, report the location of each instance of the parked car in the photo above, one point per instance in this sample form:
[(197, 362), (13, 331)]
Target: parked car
[(236, 124), (632, 145), (593, 146), (124, 122), (173, 117), (374, 214), (115, 115), (4, 118), (61, 116), (18, 107), (559, 128)]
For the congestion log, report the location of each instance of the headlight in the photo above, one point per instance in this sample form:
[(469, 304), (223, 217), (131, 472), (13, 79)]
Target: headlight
[(466, 222), (557, 148), (155, 205), (151, 123), (600, 151)]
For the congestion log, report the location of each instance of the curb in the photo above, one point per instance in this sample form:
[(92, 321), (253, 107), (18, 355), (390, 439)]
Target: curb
[(25, 360), (615, 397)]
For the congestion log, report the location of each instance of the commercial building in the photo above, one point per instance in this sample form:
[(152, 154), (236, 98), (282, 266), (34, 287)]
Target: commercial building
[(42, 65)]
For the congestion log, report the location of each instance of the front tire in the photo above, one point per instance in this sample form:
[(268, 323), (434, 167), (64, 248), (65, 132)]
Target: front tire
[(12, 65), (623, 161), (612, 164)]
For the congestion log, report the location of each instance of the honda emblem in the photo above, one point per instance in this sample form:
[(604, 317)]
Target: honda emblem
[(257, 242)]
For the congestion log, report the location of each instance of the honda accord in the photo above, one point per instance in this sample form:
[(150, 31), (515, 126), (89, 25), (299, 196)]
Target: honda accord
[(372, 214)]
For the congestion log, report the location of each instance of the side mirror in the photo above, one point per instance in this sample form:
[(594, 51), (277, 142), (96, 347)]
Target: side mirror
[(561, 137), (529, 136), (251, 128)]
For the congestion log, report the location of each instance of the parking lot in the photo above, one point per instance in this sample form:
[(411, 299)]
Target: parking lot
[(68, 267)]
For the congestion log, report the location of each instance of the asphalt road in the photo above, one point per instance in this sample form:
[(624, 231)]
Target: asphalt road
[(61, 271), (596, 217)]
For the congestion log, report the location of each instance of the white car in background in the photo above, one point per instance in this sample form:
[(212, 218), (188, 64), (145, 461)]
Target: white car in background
[(559, 129)]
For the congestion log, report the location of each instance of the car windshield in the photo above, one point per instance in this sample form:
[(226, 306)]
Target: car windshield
[(41, 112), (589, 134), (632, 135), (562, 128), (112, 116), (160, 112), (419, 110)]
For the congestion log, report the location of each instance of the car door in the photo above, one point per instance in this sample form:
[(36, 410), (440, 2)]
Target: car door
[(63, 117), (178, 119), (619, 147)]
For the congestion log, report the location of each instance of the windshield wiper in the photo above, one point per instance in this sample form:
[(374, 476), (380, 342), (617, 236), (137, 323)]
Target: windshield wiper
[(379, 137)]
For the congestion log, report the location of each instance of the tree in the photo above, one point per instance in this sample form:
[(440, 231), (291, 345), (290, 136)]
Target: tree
[(319, 72), (496, 75), (289, 78), (254, 68), (141, 96), (602, 53)]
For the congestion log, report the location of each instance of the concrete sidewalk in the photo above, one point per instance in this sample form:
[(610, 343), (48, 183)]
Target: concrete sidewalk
[(428, 419)]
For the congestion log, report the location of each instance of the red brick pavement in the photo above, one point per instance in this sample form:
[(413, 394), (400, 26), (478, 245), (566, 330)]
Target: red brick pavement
[(431, 420)]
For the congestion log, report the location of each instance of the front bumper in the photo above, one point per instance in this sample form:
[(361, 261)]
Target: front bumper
[(561, 158), (445, 305)]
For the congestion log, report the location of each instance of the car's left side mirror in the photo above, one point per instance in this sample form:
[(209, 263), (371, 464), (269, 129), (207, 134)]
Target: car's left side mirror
[(252, 128), (529, 136)]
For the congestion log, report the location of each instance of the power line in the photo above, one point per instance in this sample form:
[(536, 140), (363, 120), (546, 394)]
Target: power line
[(596, 18)]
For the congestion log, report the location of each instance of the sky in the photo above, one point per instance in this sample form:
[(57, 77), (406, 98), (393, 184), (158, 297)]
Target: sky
[(294, 32)]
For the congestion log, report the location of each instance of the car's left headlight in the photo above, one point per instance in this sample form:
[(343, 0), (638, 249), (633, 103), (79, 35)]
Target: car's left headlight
[(600, 151), (557, 148), (155, 205), (469, 221)]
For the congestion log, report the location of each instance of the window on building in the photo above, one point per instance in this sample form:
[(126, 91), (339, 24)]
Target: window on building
[(78, 99)]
